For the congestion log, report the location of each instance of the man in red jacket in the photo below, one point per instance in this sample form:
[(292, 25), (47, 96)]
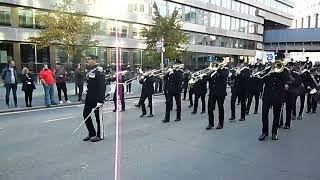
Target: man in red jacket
[(47, 79)]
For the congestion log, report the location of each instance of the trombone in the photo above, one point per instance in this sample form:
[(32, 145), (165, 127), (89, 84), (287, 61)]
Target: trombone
[(278, 67)]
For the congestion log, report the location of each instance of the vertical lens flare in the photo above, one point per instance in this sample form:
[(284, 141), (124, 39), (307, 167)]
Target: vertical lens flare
[(118, 80)]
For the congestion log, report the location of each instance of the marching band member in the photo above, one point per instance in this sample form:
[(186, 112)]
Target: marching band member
[(254, 90), (218, 91), (273, 95), (173, 89), (301, 95), (95, 97), (294, 82), (310, 84), (240, 89), (200, 90), (147, 91), (186, 78)]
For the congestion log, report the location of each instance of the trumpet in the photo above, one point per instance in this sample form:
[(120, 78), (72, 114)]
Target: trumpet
[(109, 76), (195, 77)]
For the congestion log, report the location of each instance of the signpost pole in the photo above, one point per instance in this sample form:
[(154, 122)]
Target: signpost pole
[(162, 65)]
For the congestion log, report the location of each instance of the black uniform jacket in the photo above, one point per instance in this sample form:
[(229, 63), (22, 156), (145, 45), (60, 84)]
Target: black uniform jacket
[(241, 82), (147, 85), (200, 87), (96, 86), (274, 88), (173, 82), (218, 83)]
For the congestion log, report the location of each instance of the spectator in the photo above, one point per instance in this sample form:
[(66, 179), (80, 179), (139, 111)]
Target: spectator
[(10, 77), (79, 80), (60, 74), (47, 79), (27, 86)]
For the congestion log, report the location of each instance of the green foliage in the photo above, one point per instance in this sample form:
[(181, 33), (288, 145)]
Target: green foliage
[(67, 28), (169, 28)]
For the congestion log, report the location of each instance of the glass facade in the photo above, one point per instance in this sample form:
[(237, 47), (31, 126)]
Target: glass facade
[(5, 16), (26, 18), (220, 41)]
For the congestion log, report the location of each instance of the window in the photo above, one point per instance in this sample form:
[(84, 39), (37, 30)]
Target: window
[(246, 26), (226, 22), (242, 25), (43, 55), (39, 25), (251, 28), (236, 6), (25, 17), (190, 14), (252, 11), (27, 53), (162, 6), (124, 56), (206, 18), (136, 30), (172, 6), (200, 17), (121, 27), (5, 16), (124, 29), (6, 53), (218, 20)]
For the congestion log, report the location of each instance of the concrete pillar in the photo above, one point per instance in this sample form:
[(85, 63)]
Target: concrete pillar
[(14, 17), (108, 61), (17, 55)]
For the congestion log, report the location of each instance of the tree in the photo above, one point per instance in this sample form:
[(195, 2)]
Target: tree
[(67, 28), (169, 28)]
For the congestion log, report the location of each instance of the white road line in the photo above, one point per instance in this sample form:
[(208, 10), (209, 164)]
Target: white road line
[(35, 110), (59, 119), (1, 128)]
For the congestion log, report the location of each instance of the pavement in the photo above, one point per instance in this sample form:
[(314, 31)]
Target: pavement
[(38, 145), (38, 96)]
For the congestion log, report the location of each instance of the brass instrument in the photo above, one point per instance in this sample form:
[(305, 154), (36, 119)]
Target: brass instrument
[(109, 76), (195, 77), (278, 67)]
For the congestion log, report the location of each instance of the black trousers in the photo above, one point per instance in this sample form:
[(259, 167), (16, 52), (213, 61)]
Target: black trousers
[(14, 93), (98, 114), (211, 107), (129, 87), (185, 90), (28, 97), (196, 101), (289, 101), (311, 103), (80, 87), (62, 87), (121, 96), (266, 105), (160, 87), (242, 98), (143, 106), (256, 99), (302, 101), (169, 104), (191, 92)]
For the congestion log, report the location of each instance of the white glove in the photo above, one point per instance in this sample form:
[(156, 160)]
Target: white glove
[(99, 104)]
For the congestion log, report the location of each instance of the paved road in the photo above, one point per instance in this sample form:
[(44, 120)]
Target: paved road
[(38, 145)]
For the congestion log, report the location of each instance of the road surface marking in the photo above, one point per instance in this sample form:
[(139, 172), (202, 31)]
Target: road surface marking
[(35, 110), (1, 129), (59, 119)]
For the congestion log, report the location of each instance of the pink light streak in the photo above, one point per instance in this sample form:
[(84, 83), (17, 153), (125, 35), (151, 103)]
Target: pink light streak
[(118, 119)]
